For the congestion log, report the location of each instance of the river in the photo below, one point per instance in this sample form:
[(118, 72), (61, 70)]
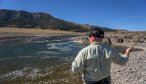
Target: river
[(17, 59)]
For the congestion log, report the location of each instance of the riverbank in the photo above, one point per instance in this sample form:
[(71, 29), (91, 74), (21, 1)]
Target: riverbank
[(132, 73), (23, 35)]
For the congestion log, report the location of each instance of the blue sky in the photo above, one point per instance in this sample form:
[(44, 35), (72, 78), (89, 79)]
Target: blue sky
[(116, 14)]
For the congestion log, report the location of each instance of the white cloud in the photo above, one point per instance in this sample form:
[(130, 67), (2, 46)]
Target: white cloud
[(129, 17)]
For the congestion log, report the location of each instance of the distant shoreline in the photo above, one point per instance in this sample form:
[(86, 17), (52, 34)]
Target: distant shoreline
[(23, 35)]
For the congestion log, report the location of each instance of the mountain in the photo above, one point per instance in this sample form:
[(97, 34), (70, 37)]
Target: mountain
[(24, 19)]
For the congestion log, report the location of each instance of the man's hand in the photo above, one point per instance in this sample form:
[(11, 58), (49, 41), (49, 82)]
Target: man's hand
[(128, 50)]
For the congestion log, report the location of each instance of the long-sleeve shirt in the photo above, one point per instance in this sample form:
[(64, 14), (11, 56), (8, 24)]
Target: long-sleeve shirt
[(94, 61)]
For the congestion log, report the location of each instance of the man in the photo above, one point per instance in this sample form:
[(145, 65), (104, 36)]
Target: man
[(94, 61)]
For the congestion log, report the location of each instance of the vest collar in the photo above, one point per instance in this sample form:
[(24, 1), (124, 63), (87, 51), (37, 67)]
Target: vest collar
[(95, 43)]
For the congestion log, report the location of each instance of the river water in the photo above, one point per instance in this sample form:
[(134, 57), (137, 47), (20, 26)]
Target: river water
[(24, 58)]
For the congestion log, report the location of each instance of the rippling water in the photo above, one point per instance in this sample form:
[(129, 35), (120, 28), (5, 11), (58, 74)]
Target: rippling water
[(28, 59)]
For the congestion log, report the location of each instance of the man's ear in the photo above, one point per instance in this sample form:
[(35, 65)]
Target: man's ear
[(92, 38)]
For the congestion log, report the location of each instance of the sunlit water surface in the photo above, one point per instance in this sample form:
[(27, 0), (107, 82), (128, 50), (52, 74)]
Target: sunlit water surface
[(35, 58)]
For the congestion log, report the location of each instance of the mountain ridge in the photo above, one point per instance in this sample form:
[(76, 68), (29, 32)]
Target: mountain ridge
[(42, 20)]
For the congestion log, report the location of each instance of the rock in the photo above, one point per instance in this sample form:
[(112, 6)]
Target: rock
[(81, 40), (107, 40)]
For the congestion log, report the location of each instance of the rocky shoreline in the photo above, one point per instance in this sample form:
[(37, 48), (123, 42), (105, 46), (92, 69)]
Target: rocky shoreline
[(134, 72)]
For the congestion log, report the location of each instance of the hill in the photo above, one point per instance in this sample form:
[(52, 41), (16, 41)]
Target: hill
[(24, 19)]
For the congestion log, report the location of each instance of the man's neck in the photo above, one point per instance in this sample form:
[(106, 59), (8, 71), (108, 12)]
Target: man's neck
[(95, 42)]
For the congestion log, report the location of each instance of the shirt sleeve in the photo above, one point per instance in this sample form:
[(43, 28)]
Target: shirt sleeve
[(78, 63), (118, 58)]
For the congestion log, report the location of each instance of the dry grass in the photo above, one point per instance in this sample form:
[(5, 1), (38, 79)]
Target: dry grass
[(34, 31)]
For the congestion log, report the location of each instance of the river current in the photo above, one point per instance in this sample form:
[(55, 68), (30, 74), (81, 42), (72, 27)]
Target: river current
[(30, 58)]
